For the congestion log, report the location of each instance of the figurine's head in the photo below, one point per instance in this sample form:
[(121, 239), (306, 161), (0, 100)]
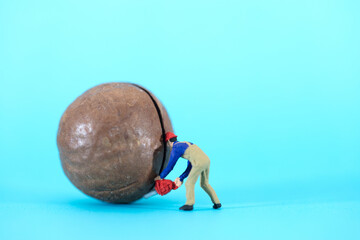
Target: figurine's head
[(170, 138)]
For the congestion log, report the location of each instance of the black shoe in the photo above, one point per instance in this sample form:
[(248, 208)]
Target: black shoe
[(187, 207), (217, 205)]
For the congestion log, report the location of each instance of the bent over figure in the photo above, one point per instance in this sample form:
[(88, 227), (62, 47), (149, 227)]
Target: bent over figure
[(198, 165)]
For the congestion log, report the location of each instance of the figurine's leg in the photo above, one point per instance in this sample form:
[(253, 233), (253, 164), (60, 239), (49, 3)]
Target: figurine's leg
[(204, 183), (190, 185)]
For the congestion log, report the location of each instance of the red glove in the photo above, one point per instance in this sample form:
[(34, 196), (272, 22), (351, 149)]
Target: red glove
[(164, 186)]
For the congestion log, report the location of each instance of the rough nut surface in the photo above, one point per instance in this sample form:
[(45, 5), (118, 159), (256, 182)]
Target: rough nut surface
[(110, 141)]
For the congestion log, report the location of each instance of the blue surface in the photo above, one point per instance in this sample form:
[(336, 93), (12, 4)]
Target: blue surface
[(268, 89)]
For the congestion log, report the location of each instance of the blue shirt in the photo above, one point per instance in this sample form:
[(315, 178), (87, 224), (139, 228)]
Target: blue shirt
[(177, 151)]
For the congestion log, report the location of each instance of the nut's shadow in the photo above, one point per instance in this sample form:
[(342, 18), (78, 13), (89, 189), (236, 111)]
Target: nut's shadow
[(97, 206)]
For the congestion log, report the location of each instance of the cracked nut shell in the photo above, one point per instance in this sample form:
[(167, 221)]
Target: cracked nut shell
[(110, 141)]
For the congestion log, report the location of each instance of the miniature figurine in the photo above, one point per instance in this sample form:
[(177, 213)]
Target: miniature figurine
[(198, 164)]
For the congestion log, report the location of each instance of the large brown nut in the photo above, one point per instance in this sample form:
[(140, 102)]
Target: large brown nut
[(110, 141)]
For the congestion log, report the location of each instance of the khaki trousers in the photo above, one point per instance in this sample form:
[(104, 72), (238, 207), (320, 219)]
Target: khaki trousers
[(200, 167)]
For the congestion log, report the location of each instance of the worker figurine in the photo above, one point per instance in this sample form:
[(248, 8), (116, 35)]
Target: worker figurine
[(198, 165)]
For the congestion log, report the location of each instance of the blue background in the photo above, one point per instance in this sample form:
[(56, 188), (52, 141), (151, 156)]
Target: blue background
[(268, 89)]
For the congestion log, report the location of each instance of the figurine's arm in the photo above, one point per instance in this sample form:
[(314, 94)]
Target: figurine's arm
[(174, 156), (186, 173)]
